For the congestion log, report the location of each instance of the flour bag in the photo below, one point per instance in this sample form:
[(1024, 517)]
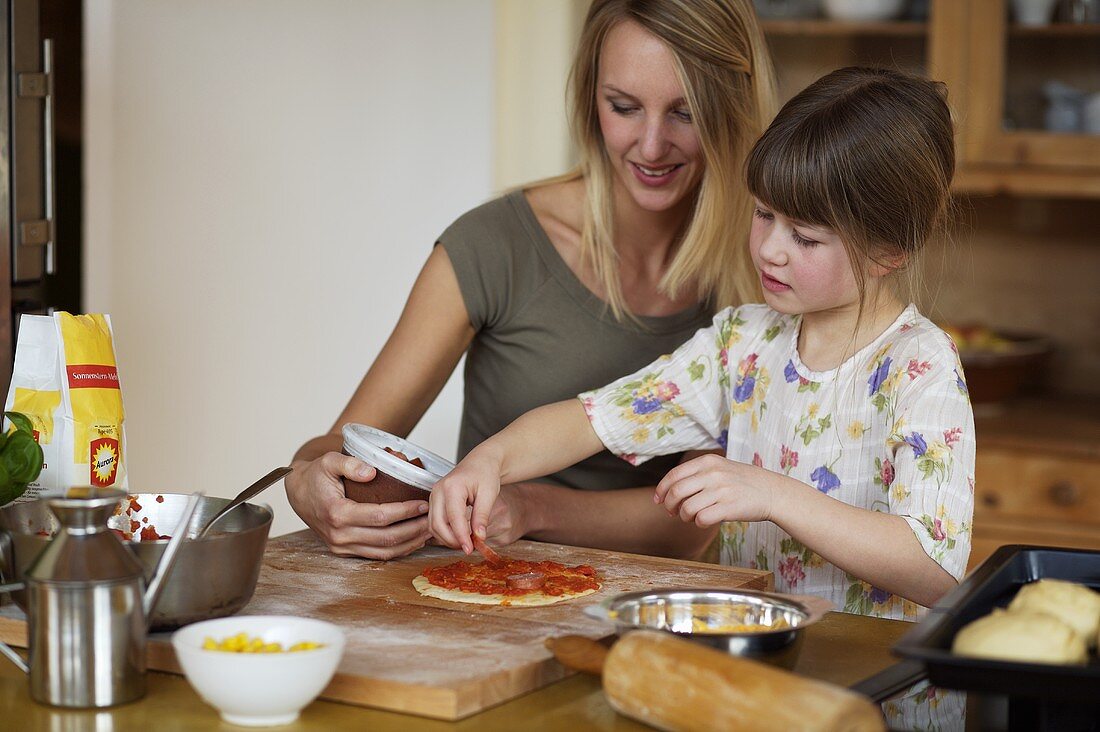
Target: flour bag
[(65, 379)]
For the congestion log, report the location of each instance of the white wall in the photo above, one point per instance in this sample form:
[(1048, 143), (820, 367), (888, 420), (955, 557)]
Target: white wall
[(264, 179), (535, 42)]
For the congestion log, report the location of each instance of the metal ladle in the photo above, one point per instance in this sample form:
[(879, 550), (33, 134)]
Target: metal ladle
[(273, 477)]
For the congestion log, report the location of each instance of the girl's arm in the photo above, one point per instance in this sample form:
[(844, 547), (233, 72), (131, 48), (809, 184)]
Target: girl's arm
[(539, 442), (877, 547), (672, 405), (917, 546), (426, 344), (619, 520)]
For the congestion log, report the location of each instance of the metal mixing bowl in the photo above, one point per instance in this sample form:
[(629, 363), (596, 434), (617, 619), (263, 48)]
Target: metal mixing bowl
[(701, 615), (212, 577)]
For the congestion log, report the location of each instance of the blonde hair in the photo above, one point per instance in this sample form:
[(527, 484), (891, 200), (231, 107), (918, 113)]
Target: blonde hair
[(868, 153), (724, 67)]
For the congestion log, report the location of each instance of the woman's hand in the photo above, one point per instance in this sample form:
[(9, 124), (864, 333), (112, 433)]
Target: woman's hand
[(376, 531), (475, 482), (711, 489)]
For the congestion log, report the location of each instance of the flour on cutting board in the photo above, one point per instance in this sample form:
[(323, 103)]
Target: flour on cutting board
[(396, 635)]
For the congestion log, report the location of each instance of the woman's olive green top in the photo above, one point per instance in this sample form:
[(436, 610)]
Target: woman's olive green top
[(542, 336)]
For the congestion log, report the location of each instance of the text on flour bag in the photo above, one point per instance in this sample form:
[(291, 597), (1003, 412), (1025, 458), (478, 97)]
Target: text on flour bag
[(92, 387)]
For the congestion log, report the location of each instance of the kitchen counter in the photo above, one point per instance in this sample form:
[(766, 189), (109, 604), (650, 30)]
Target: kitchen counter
[(1065, 426), (841, 649)]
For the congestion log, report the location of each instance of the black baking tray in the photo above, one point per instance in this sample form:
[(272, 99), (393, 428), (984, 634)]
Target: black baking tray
[(993, 585)]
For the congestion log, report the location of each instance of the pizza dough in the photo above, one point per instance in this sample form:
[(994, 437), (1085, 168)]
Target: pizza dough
[(1075, 605), (1021, 635), (534, 599)]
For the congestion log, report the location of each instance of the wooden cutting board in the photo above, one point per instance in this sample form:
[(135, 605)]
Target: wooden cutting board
[(410, 653)]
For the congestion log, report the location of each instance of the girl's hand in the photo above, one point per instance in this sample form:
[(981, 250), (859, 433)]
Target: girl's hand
[(508, 518), (711, 489), (475, 481)]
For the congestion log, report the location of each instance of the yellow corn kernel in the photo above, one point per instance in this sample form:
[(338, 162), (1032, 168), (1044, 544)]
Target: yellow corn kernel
[(241, 643), (304, 646)]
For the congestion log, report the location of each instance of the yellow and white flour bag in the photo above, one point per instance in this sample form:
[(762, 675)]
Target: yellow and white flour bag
[(65, 379)]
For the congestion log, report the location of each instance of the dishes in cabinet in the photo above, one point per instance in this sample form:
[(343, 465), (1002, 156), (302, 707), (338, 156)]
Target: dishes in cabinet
[(863, 10)]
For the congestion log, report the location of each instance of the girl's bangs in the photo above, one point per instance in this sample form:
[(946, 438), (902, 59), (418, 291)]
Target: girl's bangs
[(796, 180)]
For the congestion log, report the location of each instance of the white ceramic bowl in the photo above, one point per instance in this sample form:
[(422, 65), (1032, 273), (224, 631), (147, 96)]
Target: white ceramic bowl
[(863, 10), (259, 689)]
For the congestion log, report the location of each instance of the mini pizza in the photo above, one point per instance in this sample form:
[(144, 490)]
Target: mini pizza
[(507, 582)]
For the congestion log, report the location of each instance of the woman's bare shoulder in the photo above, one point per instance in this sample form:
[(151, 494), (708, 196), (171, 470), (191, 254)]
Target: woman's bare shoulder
[(559, 203)]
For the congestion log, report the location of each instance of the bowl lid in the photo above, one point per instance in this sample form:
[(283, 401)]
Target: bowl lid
[(369, 445)]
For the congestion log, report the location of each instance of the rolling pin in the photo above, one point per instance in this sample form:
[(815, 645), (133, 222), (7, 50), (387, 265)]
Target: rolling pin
[(674, 684)]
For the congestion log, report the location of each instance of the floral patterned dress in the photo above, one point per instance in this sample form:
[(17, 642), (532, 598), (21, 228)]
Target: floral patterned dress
[(890, 429)]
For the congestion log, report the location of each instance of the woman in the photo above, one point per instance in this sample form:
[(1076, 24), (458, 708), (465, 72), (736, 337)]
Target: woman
[(561, 286)]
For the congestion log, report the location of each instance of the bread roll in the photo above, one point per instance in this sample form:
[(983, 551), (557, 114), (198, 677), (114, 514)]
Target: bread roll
[(1075, 605), (1021, 635)]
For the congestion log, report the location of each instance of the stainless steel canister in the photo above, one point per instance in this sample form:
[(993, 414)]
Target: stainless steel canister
[(87, 606)]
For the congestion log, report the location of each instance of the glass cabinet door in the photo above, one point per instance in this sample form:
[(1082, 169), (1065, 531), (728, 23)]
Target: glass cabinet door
[(1033, 85)]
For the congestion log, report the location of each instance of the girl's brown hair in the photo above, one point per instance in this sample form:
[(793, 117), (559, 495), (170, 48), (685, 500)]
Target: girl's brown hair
[(868, 153), (724, 66)]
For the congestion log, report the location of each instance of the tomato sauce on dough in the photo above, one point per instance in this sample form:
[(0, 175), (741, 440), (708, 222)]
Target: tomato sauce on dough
[(483, 579)]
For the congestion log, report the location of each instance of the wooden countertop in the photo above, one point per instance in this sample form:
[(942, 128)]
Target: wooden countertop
[(841, 649)]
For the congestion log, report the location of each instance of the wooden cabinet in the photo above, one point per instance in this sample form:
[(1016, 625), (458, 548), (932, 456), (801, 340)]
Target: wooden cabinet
[(1038, 471), (1005, 144), (1037, 478), (1034, 497), (996, 72)]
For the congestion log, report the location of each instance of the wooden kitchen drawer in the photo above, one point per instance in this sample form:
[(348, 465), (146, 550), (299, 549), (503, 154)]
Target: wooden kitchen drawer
[(1032, 485), (991, 534)]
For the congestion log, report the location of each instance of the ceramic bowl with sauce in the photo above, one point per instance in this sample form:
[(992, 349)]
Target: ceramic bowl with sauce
[(398, 478)]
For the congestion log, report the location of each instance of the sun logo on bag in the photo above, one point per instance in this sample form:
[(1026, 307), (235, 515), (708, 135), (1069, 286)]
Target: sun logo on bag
[(104, 461)]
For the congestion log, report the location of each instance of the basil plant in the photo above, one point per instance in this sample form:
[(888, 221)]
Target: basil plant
[(20, 457)]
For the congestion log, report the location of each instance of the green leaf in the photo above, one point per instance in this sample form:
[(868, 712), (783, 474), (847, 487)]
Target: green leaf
[(21, 421), (9, 491), (22, 458)]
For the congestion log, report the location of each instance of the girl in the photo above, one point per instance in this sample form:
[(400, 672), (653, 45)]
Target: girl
[(568, 283), (842, 412)]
